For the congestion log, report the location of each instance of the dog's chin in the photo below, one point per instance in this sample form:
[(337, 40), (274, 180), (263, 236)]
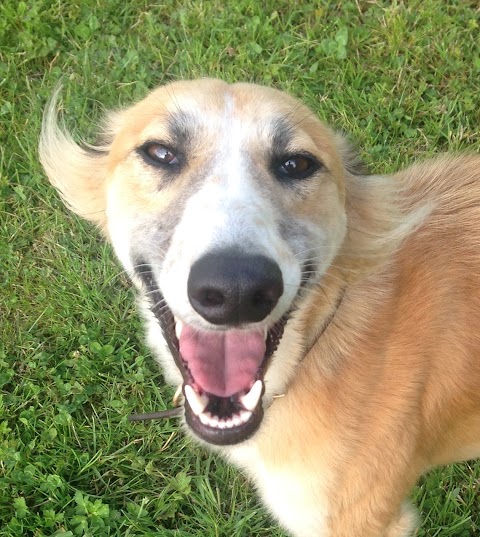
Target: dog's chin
[(231, 417), (224, 436)]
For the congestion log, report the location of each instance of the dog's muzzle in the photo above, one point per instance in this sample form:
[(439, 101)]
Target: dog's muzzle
[(223, 366), (223, 369)]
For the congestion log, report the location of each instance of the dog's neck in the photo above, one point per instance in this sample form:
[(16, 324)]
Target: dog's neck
[(329, 318)]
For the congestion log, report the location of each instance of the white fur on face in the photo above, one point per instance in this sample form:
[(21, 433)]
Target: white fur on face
[(232, 203), (228, 210), (120, 230)]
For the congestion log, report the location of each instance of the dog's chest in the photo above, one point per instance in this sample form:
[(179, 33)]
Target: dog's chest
[(297, 500)]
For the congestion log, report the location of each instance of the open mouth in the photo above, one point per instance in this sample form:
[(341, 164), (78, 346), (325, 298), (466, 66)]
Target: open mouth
[(223, 374), (222, 371)]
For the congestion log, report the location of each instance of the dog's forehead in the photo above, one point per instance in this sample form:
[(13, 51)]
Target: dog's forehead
[(202, 117), (202, 108), (204, 98)]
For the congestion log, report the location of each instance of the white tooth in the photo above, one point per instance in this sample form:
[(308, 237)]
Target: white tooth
[(177, 395), (245, 415), (237, 420), (222, 424), (213, 422), (178, 328), (250, 400), (197, 402), (229, 423), (205, 417)]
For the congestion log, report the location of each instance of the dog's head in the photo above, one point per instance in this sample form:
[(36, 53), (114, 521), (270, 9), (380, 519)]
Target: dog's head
[(224, 203)]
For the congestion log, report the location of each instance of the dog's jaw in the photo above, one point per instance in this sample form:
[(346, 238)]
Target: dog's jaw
[(220, 418), (277, 377)]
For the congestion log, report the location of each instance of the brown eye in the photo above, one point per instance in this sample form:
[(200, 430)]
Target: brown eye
[(298, 167), (159, 154)]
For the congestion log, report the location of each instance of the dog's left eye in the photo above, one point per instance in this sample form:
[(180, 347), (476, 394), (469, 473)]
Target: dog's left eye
[(159, 154), (298, 167)]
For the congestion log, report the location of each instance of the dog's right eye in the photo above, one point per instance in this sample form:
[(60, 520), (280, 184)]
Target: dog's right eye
[(158, 154)]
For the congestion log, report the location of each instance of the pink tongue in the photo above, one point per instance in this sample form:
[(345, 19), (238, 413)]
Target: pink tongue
[(222, 363)]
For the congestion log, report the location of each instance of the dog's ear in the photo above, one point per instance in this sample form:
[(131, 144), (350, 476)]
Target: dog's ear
[(350, 156), (378, 218), (77, 172)]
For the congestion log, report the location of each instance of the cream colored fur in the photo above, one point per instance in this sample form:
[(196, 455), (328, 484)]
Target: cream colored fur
[(380, 364)]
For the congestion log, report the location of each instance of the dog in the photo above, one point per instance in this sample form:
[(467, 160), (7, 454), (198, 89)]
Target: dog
[(323, 323)]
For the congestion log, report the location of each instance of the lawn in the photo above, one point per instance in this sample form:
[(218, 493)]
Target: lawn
[(401, 77)]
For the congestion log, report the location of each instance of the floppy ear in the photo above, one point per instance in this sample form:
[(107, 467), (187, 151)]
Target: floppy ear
[(379, 218), (78, 173), (350, 157)]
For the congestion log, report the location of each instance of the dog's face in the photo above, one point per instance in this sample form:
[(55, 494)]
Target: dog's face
[(223, 203)]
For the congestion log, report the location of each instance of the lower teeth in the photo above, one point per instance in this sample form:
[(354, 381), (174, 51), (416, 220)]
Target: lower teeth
[(198, 404), (219, 423)]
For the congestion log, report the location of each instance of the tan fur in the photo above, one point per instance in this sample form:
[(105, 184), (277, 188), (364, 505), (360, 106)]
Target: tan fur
[(403, 392), (386, 388)]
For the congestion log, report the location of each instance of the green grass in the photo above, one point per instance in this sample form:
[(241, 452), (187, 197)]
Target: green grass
[(401, 77)]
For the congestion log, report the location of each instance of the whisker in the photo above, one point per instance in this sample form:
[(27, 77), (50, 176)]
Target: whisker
[(354, 217), (151, 292), (329, 275), (148, 265), (297, 254), (367, 254), (325, 294), (293, 110), (365, 233), (303, 119), (358, 254), (343, 269), (161, 305), (161, 312)]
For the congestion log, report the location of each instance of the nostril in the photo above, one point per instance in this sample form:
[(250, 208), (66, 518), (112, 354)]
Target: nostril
[(258, 298), (264, 298), (210, 297)]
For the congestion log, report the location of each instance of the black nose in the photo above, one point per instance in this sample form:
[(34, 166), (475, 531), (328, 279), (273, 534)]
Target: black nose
[(228, 287)]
